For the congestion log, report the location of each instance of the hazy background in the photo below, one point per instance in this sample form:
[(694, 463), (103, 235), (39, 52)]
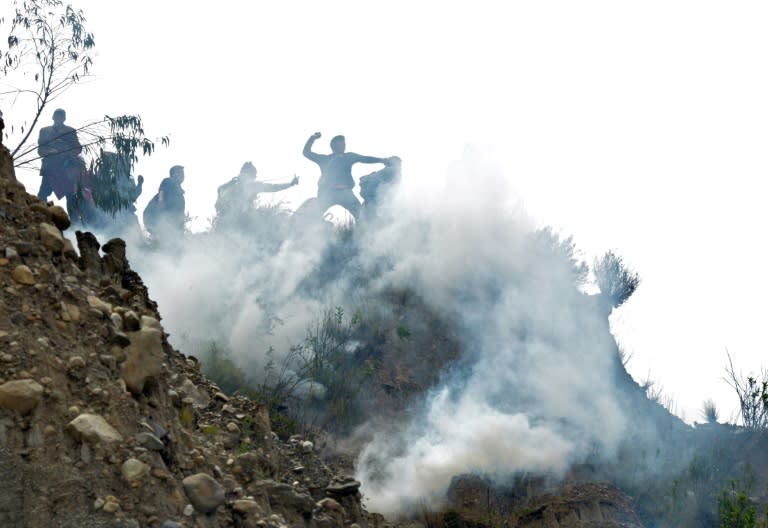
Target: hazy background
[(638, 128)]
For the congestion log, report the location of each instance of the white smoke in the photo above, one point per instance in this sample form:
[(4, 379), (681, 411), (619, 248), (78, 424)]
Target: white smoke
[(539, 393), (534, 391), (235, 289), (454, 438)]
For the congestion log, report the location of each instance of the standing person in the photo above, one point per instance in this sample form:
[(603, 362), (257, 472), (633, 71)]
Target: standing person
[(234, 201), (374, 186), (59, 149), (164, 215), (117, 193), (336, 182)]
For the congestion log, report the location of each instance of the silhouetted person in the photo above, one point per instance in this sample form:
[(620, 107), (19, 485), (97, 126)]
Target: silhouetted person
[(234, 201), (128, 190), (164, 215), (336, 182), (375, 185), (59, 149), (2, 127), (119, 193)]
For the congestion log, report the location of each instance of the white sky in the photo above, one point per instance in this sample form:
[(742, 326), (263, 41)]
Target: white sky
[(634, 126)]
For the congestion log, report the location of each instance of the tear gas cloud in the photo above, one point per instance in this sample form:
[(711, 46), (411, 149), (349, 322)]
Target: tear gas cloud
[(538, 394), (534, 391)]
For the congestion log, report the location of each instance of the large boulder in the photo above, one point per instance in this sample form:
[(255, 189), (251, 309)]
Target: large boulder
[(144, 358)]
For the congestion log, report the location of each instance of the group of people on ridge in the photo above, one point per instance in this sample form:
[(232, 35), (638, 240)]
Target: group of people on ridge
[(64, 173)]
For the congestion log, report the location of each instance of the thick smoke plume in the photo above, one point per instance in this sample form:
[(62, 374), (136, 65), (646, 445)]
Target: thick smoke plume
[(537, 393), (241, 290), (534, 389)]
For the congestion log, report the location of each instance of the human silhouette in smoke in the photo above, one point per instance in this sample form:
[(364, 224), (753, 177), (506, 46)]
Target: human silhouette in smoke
[(164, 216), (336, 182), (2, 127), (375, 185), (119, 192), (60, 150), (234, 202)]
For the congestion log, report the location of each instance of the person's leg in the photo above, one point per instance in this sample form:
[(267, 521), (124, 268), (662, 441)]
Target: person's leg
[(45, 189), (347, 199), (325, 199)]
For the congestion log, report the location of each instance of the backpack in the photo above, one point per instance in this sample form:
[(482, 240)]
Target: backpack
[(152, 213)]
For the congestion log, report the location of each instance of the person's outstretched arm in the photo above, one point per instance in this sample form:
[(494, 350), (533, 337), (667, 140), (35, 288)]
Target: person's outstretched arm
[(138, 188), (308, 148), (274, 187), (366, 159)]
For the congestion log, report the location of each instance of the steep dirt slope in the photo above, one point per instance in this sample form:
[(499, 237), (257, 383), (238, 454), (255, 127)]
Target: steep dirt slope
[(103, 423)]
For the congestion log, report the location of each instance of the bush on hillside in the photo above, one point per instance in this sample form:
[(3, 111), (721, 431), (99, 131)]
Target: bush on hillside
[(737, 509), (709, 411), (616, 282), (546, 244), (753, 397), (218, 367), (319, 381)]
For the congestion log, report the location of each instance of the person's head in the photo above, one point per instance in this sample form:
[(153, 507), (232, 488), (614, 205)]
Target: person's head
[(394, 161), (177, 173), (338, 144), (248, 169), (59, 116)]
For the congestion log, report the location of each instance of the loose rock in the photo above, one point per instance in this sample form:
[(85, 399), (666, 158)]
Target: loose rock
[(20, 395), (204, 492), (59, 217), (144, 358), (51, 237), (23, 275), (94, 429), (133, 469), (149, 441)]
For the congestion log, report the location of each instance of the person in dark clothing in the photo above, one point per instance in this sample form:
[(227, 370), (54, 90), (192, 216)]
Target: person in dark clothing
[(59, 149), (2, 127), (164, 215), (234, 202), (336, 182), (375, 185), (117, 194)]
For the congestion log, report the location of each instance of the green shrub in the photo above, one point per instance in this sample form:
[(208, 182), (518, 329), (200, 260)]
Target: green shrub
[(318, 383), (736, 508)]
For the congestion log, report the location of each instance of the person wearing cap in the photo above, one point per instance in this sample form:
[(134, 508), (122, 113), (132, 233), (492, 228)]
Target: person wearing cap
[(234, 200), (59, 149), (165, 215)]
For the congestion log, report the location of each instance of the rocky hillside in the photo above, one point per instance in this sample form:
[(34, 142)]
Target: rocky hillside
[(103, 423)]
